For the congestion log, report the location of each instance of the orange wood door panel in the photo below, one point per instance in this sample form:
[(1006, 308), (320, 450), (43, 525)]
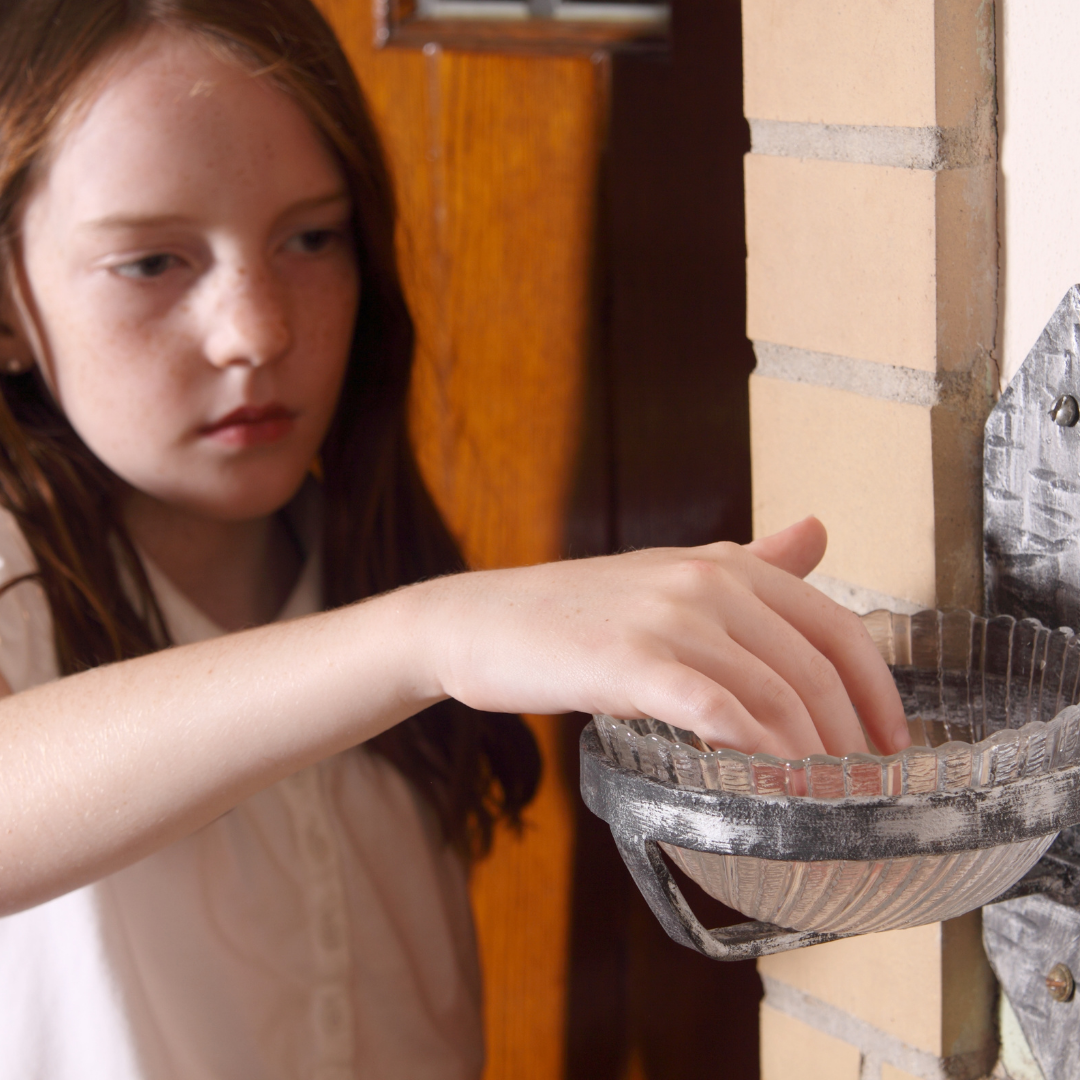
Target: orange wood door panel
[(495, 159)]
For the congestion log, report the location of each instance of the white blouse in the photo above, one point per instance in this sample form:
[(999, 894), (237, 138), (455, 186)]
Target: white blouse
[(318, 931)]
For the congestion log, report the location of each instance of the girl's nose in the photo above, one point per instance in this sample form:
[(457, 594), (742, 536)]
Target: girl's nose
[(249, 321)]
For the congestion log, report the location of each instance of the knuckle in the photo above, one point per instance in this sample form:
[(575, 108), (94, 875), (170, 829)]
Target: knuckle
[(848, 627), (822, 678), (780, 698), (695, 572), (716, 715), (691, 578), (728, 549), (708, 704)]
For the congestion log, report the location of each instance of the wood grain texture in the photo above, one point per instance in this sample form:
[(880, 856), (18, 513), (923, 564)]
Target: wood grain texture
[(534, 36), (398, 23), (495, 161)]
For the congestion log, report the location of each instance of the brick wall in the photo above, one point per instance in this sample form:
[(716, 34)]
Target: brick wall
[(871, 277)]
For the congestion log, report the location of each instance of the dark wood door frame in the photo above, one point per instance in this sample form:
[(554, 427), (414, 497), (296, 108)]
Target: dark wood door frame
[(665, 460)]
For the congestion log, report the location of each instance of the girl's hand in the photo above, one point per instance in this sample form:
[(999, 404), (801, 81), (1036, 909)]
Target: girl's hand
[(727, 641)]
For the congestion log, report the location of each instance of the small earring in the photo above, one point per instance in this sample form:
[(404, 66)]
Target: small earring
[(13, 366)]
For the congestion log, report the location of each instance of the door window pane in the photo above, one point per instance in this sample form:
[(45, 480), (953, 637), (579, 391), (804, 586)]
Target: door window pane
[(621, 11)]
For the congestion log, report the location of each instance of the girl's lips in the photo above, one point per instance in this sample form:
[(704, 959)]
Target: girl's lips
[(251, 426)]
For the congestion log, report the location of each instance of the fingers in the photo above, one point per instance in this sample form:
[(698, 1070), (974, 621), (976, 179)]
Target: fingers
[(796, 549), (796, 661), (839, 636), (761, 689), (866, 676), (843, 660), (681, 695)]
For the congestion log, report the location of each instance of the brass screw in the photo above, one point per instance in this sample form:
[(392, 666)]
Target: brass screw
[(1060, 983)]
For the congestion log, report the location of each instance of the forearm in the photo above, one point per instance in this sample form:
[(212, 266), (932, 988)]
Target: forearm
[(100, 769)]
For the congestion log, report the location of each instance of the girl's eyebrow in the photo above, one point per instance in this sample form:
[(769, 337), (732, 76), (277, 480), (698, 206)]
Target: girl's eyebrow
[(135, 221), (151, 221), (316, 203)]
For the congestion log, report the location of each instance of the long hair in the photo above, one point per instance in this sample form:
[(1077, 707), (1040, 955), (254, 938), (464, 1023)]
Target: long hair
[(382, 529)]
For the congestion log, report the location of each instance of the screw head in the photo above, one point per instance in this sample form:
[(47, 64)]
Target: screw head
[(1065, 411), (1060, 983)]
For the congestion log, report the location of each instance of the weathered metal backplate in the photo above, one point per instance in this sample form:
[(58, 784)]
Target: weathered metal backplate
[(1031, 505), (1031, 483), (1025, 939)]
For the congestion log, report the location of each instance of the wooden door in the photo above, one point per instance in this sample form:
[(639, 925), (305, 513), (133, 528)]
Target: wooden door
[(495, 159), (572, 246)]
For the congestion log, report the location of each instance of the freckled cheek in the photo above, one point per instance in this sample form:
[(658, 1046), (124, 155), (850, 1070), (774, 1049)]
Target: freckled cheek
[(124, 392), (122, 377), (129, 423), (324, 339)]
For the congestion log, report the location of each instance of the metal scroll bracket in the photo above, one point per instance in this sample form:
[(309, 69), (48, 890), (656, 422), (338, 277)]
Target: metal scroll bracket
[(744, 941), (1031, 521), (641, 854)]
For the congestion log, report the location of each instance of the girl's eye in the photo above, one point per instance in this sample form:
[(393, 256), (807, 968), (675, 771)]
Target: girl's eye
[(151, 266), (312, 241)]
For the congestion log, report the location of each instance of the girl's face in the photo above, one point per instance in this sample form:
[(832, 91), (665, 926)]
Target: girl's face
[(188, 280)]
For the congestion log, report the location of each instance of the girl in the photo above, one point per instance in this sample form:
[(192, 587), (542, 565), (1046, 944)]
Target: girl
[(204, 874)]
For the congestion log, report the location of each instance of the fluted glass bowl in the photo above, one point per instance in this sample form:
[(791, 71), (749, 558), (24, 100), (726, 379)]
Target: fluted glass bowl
[(988, 701)]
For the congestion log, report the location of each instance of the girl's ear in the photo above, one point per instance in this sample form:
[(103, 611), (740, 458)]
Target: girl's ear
[(16, 355)]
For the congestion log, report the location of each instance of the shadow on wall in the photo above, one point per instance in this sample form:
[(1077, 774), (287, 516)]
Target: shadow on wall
[(665, 460)]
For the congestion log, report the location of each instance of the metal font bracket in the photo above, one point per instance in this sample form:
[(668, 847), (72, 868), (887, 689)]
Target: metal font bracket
[(653, 810), (1031, 506)]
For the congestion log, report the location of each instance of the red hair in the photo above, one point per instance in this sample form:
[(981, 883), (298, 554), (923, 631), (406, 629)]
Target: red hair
[(382, 529)]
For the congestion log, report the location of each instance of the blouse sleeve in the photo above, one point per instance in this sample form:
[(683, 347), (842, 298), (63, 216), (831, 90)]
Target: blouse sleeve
[(27, 652)]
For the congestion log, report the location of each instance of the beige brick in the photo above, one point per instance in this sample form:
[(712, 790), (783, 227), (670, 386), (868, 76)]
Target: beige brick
[(792, 1050), (842, 62), (863, 466), (890, 980), (891, 1072), (841, 259)]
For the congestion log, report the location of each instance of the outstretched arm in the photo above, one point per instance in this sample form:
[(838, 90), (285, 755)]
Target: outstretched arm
[(725, 640), (100, 769)]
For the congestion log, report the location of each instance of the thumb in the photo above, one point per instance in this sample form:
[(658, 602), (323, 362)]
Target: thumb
[(796, 549)]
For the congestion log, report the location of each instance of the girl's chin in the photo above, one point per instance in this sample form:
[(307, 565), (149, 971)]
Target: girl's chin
[(240, 498)]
